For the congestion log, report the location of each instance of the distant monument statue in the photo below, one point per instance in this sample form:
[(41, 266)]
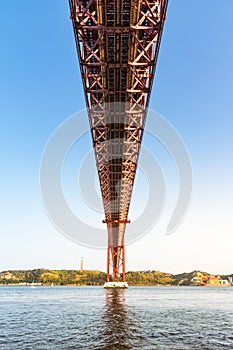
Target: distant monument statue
[(81, 264)]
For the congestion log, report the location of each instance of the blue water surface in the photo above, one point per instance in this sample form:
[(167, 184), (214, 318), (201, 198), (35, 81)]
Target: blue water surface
[(176, 318)]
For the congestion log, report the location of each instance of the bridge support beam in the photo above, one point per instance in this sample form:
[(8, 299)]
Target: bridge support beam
[(116, 268), (116, 264)]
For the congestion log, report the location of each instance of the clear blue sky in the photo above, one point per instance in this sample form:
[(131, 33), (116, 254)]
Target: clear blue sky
[(40, 87)]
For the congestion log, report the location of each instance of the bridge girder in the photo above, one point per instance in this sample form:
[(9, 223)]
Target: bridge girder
[(118, 43)]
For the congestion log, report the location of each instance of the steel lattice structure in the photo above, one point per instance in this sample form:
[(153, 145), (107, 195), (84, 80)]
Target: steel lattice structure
[(118, 43)]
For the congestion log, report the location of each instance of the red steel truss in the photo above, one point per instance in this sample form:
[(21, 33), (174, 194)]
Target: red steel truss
[(118, 44)]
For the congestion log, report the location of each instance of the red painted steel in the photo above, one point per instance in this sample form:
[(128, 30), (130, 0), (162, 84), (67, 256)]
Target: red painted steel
[(116, 264), (118, 43)]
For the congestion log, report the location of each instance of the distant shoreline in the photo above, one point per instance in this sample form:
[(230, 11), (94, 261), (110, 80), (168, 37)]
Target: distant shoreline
[(101, 285), (46, 277)]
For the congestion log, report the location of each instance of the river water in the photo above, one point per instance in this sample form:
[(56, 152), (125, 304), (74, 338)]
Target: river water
[(138, 318)]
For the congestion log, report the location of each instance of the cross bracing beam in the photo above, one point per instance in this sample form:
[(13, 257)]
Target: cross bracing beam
[(118, 43)]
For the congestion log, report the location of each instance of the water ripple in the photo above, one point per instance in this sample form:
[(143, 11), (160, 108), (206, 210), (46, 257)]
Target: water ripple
[(70, 318)]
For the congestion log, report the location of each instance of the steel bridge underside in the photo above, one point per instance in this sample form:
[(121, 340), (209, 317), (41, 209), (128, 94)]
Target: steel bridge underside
[(118, 44)]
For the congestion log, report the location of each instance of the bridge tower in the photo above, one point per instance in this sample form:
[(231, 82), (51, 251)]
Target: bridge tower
[(118, 43)]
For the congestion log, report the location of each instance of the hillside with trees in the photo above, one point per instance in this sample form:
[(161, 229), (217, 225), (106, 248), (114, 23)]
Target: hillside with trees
[(56, 277), (86, 277)]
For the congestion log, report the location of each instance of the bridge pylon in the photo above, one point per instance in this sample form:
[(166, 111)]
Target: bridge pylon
[(118, 43)]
